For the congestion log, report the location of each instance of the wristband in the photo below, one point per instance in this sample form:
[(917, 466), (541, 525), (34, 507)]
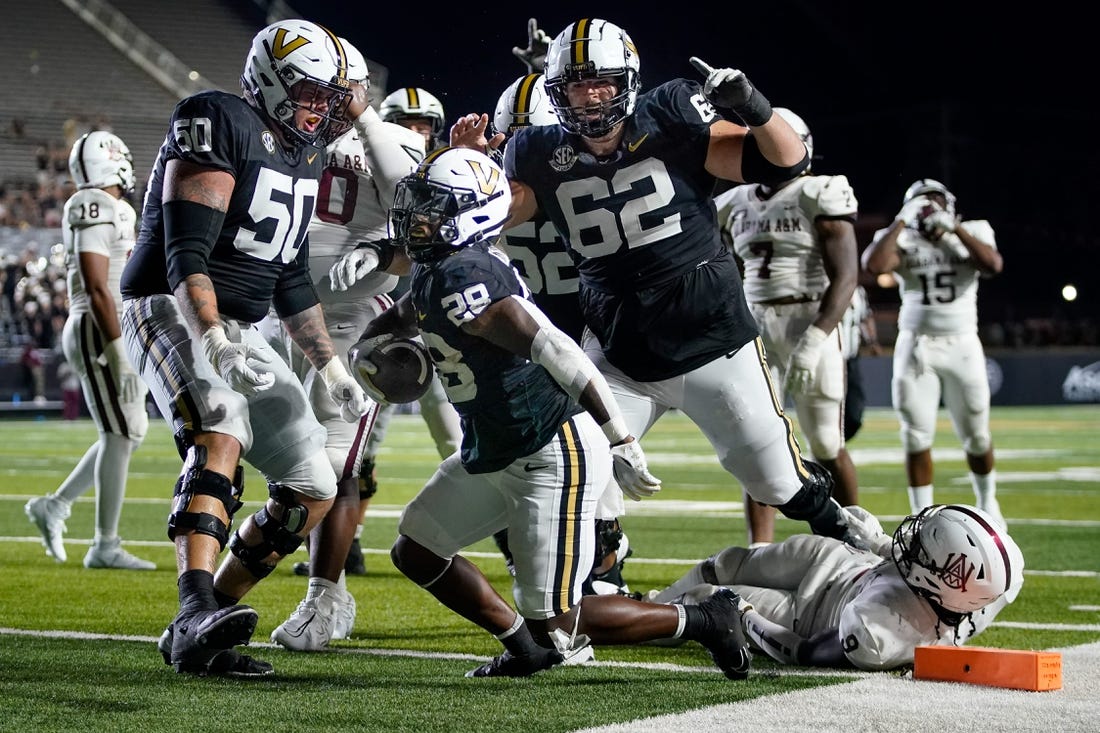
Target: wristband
[(615, 429)]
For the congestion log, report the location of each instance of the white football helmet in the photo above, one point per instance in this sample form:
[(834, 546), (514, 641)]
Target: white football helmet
[(592, 49), (100, 159), (799, 125), (524, 103), (413, 103), (957, 557), (455, 198), (292, 52), (925, 186)]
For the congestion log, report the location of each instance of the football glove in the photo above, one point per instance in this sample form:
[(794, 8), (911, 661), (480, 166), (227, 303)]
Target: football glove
[(731, 89), (126, 379), (865, 532), (936, 224), (344, 390), (538, 43), (912, 209), (357, 358), (353, 267), (804, 359), (230, 361), (631, 473)]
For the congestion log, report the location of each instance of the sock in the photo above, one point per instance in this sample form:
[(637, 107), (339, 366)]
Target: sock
[(111, 469), (317, 586), (224, 600), (518, 639), (696, 624), (920, 497), (81, 478), (342, 581), (985, 487), (196, 591)]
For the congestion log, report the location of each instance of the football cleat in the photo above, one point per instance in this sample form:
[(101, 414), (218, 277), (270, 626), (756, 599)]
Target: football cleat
[(510, 665), (727, 644), (49, 514), (196, 639), (345, 616), (228, 663), (311, 626), (109, 554)]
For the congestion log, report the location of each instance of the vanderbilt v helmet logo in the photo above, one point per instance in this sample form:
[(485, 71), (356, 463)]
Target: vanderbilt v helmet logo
[(487, 178), (281, 48)]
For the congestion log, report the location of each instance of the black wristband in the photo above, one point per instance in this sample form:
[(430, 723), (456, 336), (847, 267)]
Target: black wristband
[(383, 248), (756, 111)]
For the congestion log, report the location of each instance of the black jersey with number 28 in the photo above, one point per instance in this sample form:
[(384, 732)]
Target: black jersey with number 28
[(509, 406)]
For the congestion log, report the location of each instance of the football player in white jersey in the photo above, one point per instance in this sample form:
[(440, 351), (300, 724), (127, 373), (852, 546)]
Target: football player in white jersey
[(417, 109), (797, 243), (938, 260), (811, 600), (98, 229), (362, 167)]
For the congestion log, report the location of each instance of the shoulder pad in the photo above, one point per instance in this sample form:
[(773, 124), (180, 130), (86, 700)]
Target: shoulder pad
[(91, 206), (411, 141), (832, 195)]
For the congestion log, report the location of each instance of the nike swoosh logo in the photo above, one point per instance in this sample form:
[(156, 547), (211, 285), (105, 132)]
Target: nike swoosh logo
[(302, 629), (311, 158), (537, 467), (637, 143)]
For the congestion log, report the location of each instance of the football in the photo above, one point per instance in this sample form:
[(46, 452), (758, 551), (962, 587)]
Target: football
[(404, 370)]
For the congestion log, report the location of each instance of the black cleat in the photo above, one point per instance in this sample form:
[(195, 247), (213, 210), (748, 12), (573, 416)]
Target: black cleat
[(509, 665), (354, 564), (728, 646), (197, 639), (300, 568), (227, 663)]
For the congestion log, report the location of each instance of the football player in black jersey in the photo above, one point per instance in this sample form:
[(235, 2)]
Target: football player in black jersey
[(537, 423), (627, 178), (223, 238)]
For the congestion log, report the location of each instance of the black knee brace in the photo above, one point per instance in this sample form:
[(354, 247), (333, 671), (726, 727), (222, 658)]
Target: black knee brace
[(279, 535), (814, 503), (609, 533), (194, 480)]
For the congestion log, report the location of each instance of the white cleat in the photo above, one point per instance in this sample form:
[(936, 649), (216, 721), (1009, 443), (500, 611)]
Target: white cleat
[(49, 514), (311, 626), (992, 507), (345, 616), (109, 554)]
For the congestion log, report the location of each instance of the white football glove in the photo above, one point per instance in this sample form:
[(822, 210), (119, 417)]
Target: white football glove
[(865, 531), (941, 220), (230, 361), (631, 472), (352, 267), (126, 379), (804, 360), (910, 212), (344, 390), (731, 89)]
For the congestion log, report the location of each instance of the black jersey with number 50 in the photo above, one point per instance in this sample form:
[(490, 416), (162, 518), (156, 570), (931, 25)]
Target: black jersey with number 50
[(509, 406), (259, 256), (658, 286)]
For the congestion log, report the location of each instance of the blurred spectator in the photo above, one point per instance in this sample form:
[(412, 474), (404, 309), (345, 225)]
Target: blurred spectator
[(71, 396)]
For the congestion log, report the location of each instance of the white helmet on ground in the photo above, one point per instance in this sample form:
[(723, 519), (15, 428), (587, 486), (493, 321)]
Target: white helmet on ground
[(292, 52), (455, 198), (799, 125), (958, 558), (100, 159), (592, 49), (524, 103), (413, 103), (925, 186)]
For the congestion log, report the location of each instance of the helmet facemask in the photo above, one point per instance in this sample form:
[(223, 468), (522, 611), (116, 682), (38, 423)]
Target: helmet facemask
[(456, 198), (588, 50), (299, 66)]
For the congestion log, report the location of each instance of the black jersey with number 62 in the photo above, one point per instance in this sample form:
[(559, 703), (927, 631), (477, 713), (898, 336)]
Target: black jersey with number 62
[(658, 286), (509, 406), (259, 256)]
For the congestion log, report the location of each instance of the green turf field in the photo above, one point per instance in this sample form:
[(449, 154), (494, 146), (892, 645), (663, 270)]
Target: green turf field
[(76, 645)]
